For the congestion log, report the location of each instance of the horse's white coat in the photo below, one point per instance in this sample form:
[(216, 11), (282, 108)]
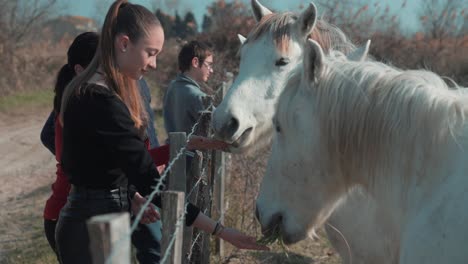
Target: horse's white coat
[(399, 135), (252, 100)]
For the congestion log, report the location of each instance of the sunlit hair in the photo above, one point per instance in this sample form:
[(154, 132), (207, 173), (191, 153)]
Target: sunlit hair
[(134, 21)]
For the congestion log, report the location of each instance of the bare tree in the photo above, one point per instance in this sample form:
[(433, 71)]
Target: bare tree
[(359, 19), (441, 19), (19, 22), (21, 17), (444, 37)]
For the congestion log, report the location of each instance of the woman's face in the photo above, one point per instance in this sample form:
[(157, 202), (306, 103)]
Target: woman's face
[(135, 59)]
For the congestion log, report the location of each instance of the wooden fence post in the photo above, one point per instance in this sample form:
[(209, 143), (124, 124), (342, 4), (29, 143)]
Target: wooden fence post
[(202, 197), (178, 181), (109, 236), (177, 177), (173, 203), (219, 177)]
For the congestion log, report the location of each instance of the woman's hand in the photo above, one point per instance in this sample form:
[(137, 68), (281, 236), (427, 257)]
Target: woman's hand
[(231, 235), (150, 214), (240, 240), (203, 143)]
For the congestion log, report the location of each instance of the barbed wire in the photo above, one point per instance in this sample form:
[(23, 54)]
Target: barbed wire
[(193, 245), (181, 219), (178, 225), (161, 184), (172, 241), (217, 178), (203, 172)]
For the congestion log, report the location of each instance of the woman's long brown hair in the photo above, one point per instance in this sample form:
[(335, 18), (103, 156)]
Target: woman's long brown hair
[(133, 21)]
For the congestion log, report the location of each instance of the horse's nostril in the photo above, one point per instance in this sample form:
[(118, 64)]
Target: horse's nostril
[(257, 214), (274, 225), (230, 128), (276, 219), (247, 132), (233, 125)]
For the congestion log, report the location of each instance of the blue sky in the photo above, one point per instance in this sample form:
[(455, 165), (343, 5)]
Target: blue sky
[(198, 7)]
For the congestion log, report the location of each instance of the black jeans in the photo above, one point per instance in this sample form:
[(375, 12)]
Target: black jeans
[(71, 233)]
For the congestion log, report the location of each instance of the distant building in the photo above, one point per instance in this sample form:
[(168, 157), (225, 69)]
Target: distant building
[(65, 28)]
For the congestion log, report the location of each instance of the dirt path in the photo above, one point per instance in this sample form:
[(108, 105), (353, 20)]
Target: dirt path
[(25, 164)]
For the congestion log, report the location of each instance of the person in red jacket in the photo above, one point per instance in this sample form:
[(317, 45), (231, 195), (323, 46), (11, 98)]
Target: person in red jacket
[(103, 153), (79, 55)]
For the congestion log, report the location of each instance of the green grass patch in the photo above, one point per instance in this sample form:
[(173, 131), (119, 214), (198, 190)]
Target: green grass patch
[(30, 100)]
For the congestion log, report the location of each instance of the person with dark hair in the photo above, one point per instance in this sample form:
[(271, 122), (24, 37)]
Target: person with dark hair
[(104, 126), (79, 54), (146, 237), (183, 101), (184, 97)]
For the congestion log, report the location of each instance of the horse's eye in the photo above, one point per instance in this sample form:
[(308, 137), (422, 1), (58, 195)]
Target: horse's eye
[(281, 62)]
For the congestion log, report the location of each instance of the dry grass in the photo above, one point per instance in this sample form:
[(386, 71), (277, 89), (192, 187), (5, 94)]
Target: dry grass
[(21, 226), (32, 68), (243, 181)]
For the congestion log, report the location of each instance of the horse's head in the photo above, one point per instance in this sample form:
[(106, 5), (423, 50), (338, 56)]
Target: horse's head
[(268, 55), (301, 187)]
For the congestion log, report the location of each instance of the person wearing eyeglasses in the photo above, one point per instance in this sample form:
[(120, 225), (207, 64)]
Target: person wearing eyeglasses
[(183, 100)]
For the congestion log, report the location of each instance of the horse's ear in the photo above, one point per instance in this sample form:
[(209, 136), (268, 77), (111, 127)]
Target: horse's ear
[(259, 10), (313, 60), (242, 39), (307, 20), (360, 54)]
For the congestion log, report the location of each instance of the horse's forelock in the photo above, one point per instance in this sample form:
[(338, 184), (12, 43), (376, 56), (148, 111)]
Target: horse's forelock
[(279, 25)]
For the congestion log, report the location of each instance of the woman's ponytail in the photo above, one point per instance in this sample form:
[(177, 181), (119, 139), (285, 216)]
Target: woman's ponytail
[(64, 76)]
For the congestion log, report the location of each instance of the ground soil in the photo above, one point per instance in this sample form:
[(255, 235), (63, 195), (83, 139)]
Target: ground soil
[(25, 163)]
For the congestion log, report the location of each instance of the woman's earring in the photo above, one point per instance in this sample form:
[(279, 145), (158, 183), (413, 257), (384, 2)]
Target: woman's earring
[(124, 50)]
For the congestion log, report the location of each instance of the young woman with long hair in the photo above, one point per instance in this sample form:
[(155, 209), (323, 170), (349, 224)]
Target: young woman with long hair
[(104, 154)]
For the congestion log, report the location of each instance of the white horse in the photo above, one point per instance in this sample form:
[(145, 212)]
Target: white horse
[(401, 135), (272, 50)]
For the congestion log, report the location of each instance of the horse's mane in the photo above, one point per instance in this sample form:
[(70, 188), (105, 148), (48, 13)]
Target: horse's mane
[(367, 108), (278, 24)]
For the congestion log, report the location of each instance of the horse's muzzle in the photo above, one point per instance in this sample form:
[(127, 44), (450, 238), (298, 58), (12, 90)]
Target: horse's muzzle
[(228, 130)]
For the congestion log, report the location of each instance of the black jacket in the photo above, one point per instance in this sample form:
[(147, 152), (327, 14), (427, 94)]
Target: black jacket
[(102, 148)]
